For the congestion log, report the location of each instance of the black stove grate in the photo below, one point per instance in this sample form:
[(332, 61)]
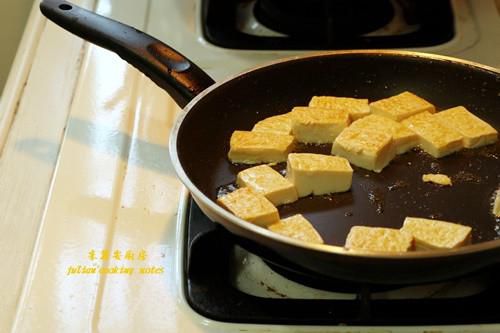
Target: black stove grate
[(209, 292), (434, 19)]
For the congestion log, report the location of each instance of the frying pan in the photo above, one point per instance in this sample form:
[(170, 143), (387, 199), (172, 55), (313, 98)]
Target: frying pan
[(212, 111)]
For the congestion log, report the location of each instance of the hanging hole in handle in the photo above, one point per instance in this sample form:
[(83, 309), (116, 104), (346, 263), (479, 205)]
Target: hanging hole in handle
[(65, 7)]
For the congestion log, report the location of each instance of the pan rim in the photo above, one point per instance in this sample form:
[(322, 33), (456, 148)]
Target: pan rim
[(325, 248)]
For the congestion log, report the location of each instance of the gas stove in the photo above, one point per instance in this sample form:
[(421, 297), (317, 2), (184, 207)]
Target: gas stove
[(327, 25), (466, 29), (126, 194), (223, 281)]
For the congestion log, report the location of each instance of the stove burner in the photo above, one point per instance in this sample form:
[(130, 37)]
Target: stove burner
[(324, 18), (330, 284), (327, 24), (208, 290)]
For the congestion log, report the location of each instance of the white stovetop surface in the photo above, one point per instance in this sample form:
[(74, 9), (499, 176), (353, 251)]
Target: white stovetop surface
[(85, 168)]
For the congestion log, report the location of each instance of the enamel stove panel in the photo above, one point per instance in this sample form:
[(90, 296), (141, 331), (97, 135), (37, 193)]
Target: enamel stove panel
[(114, 188), (225, 282)]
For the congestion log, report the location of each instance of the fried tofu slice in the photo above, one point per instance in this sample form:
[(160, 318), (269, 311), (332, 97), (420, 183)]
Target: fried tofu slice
[(476, 132), (250, 206), (403, 138), (496, 204), (436, 234), (259, 147), (318, 174), (357, 107), (378, 239), (265, 180), (401, 106), (369, 149), (318, 125), (434, 138), (298, 227), (437, 178), (280, 124)]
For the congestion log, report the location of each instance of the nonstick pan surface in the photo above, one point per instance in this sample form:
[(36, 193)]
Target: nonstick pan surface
[(200, 142), (376, 199)]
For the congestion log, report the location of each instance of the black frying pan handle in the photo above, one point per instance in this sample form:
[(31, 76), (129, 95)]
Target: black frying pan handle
[(169, 69)]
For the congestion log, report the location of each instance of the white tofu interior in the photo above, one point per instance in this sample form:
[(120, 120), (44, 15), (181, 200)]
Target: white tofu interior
[(438, 178), (434, 138), (265, 180), (280, 124), (378, 239), (496, 204), (318, 174), (372, 150), (436, 234), (298, 227), (357, 107), (318, 125), (250, 147), (475, 131), (401, 106), (403, 138), (250, 206)]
